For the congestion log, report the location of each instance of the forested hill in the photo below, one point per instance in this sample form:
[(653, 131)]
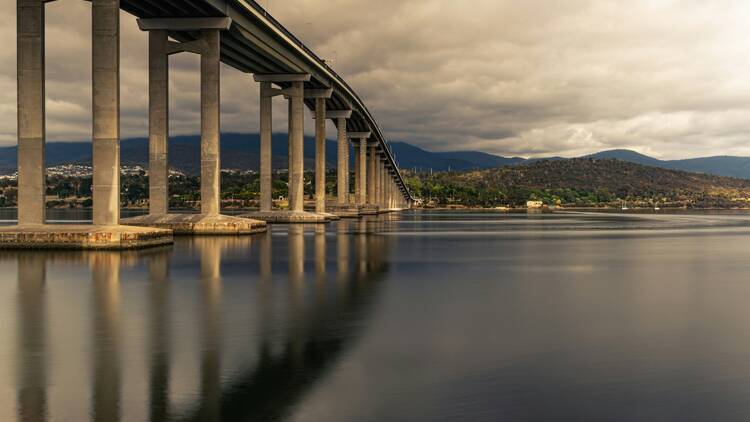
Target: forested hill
[(580, 181), (620, 177)]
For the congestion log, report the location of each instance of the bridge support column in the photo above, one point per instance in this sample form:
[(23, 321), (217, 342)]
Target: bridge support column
[(266, 133), (31, 112), (158, 85), (378, 177), (381, 184), (321, 115), (359, 139), (372, 174), (343, 164), (106, 111), (210, 123), (296, 147), (293, 89), (362, 198), (320, 155), (392, 193), (357, 172), (207, 46)]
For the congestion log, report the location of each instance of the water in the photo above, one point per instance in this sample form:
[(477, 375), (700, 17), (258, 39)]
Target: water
[(418, 317)]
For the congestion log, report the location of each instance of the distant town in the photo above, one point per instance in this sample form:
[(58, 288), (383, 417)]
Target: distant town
[(545, 184)]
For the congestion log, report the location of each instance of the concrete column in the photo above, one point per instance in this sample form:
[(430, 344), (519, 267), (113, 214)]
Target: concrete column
[(320, 155), (266, 133), (106, 111), (356, 172), (392, 194), (371, 174), (343, 163), (362, 198), (381, 182), (388, 192), (296, 146), (210, 123), (158, 122), (376, 197), (384, 197), (31, 112)]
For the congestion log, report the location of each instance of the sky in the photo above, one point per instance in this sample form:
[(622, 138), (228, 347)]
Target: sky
[(531, 78)]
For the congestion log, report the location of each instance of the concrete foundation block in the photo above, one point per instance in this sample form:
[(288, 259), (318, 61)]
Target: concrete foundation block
[(287, 217), (199, 224), (64, 236)]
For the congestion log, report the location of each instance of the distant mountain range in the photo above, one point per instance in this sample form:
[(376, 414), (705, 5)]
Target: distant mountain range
[(410, 156), (241, 151)]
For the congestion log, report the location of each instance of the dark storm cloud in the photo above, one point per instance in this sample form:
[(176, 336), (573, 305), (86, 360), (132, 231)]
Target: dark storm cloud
[(538, 77)]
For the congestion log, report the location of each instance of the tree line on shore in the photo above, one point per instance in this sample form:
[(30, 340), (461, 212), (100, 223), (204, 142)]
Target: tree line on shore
[(583, 182)]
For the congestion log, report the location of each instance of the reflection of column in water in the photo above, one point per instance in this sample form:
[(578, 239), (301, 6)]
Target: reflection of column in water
[(342, 249), (32, 335), (320, 263), (210, 253), (158, 274), (266, 263), (362, 246), (105, 269), (296, 253), (265, 288), (296, 286), (320, 252)]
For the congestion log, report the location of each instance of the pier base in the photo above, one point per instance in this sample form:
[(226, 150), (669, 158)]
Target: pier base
[(369, 209), (200, 224), (286, 217), (344, 211), (329, 216), (64, 236)]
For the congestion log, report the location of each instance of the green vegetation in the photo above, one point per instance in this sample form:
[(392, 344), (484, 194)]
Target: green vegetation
[(581, 182), (238, 189)]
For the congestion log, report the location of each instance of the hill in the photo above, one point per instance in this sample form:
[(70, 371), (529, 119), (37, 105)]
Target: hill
[(583, 182), (719, 165), (411, 157)]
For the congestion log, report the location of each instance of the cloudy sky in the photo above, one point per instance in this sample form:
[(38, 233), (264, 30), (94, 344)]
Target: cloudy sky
[(669, 78)]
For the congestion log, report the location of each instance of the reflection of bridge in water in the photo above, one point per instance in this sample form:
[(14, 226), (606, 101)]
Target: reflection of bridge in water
[(307, 312)]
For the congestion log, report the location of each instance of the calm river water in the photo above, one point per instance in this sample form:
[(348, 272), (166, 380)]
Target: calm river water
[(414, 317)]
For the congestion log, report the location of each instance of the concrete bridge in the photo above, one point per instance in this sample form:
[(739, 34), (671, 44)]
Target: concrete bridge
[(242, 35)]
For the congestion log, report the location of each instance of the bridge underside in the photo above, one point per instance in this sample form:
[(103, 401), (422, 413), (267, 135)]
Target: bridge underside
[(249, 47)]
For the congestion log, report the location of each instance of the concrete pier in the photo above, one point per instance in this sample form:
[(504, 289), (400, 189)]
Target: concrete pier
[(372, 174), (209, 221), (31, 112), (343, 163), (362, 169), (158, 122), (266, 133), (210, 123), (106, 233), (106, 111), (320, 155), (295, 93), (357, 173), (65, 236), (296, 147), (380, 184), (344, 206)]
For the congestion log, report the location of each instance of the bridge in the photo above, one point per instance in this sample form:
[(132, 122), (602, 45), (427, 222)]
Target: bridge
[(242, 35)]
